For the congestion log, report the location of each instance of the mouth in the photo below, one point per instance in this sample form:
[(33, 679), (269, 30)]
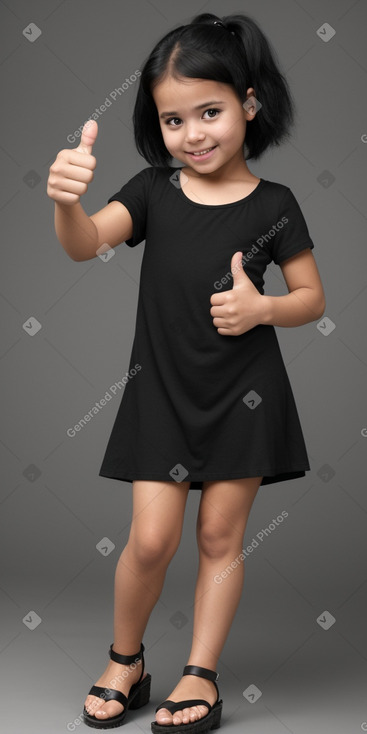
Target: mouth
[(201, 153)]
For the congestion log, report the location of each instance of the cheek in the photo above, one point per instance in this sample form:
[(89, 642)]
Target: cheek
[(168, 139), (230, 131)]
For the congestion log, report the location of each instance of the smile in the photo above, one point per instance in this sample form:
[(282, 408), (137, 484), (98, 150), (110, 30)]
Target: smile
[(201, 152)]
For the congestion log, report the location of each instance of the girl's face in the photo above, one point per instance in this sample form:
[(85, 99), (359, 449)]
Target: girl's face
[(197, 114)]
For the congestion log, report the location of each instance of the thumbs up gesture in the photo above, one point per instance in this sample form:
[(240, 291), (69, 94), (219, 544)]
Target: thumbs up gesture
[(239, 309), (72, 170), (88, 137)]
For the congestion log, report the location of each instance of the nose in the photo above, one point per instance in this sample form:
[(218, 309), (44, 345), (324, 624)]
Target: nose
[(194, 133)]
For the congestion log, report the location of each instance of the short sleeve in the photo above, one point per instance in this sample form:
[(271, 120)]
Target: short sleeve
[(291, 234), (134, 195)]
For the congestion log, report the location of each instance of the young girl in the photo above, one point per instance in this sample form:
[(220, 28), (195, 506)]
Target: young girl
[(207, 404)]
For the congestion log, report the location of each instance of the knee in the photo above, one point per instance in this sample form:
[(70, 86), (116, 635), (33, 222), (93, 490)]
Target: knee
[(151, 547), (215, 539)]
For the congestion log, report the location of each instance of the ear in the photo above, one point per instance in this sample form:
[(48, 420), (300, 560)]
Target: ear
[(250, 104)]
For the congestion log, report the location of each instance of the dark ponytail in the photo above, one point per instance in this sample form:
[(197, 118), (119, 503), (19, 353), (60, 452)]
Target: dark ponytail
[(232, 50)]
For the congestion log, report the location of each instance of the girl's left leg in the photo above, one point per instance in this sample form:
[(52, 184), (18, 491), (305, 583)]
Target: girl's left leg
[(222, 517)]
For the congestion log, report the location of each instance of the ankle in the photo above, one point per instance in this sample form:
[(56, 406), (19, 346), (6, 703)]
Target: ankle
[(208, 664), (126, 648), (120, 672)]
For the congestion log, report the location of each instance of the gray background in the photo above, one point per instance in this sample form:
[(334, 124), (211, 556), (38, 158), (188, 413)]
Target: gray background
[(55, 509)]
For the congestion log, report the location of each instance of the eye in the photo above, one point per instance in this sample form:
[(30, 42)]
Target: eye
[(211, 109), (170, 120)]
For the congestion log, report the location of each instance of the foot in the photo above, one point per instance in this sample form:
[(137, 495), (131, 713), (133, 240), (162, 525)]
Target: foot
[(190, 686), (118, 677)]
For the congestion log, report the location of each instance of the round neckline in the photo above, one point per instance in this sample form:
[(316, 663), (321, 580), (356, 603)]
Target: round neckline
[(221, 206)]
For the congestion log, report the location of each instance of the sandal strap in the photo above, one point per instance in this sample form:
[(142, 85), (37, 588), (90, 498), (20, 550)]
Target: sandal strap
[(109, 694), (126, 659), (174, 706), (129, 659), (201, 672)]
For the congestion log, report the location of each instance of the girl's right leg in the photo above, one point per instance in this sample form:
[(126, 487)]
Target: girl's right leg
[(155, 533)]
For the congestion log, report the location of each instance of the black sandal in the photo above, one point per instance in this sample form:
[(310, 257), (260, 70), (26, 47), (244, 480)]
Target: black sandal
[(138, 695), (211, 720)]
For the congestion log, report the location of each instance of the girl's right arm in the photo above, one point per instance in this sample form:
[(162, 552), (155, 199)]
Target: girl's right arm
[(70, 174)]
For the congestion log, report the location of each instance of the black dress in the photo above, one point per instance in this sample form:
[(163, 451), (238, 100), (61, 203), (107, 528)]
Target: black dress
[(198, 405)]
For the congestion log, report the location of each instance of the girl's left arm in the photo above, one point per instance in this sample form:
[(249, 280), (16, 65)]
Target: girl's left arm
[(306, 298)]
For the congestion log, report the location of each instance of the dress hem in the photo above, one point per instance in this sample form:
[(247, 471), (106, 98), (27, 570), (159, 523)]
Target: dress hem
[(268, 476)]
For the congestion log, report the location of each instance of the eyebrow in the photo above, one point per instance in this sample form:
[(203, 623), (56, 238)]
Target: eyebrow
[(198, 107)]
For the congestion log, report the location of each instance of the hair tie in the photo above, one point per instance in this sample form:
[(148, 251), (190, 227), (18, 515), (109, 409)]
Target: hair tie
[(219, 22)]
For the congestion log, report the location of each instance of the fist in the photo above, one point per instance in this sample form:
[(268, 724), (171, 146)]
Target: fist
[(72, 170)]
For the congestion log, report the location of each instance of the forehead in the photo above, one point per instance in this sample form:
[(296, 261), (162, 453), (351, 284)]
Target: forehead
[(185, 93)]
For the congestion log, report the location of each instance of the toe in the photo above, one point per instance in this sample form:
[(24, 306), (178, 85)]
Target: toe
[(186, 715), (92, 703), (203, 710), (189, 715), (108, 709), (163, 716), (178, 717), (194, 713), (197, 712), (102, 709)]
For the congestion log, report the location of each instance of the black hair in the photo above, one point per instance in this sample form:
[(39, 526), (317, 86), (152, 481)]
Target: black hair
[(233, 51)]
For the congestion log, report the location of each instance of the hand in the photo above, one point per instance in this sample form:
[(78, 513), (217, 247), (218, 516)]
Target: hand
[(240, 309), (72, 170)]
